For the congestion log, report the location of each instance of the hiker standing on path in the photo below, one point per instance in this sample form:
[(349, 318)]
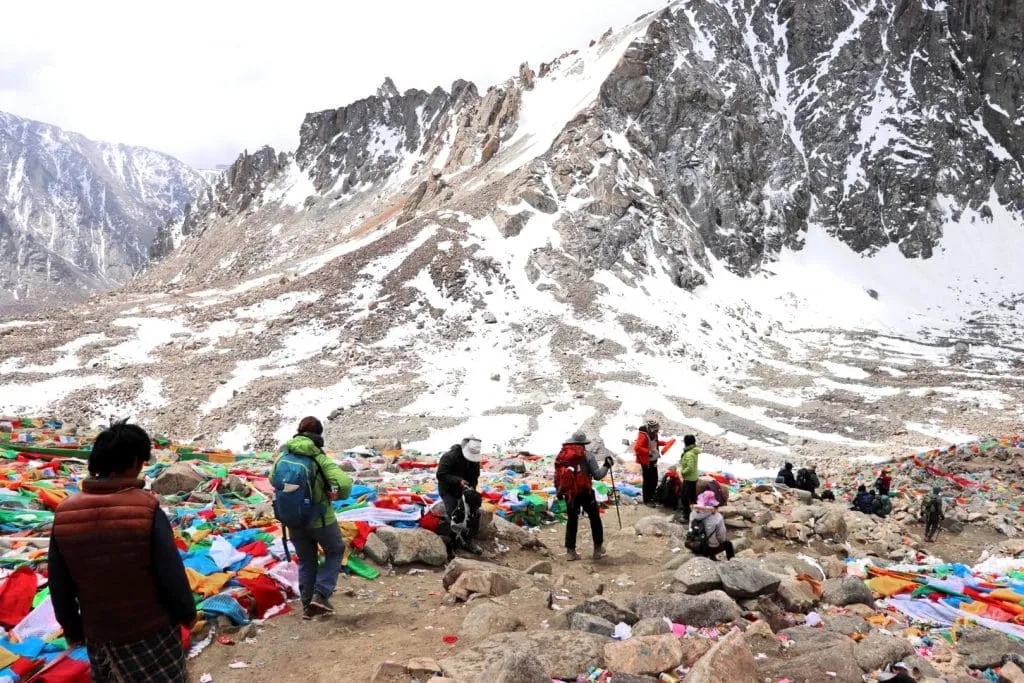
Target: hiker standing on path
[(688, 470), (932, 514), (710, 520), (576, 469), (458, 473), (883, 483), (646, 449), (116, 579), (305, 482)]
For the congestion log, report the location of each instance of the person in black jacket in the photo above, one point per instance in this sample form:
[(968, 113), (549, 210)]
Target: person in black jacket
[(785, 476), (458, 471)]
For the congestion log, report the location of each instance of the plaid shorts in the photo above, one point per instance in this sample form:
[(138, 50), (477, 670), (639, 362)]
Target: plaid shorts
[(157, 659)]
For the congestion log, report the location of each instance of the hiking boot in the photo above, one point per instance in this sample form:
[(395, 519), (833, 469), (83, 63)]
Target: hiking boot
[(307, 612), (321, 604), (599, 552), (571, 556)]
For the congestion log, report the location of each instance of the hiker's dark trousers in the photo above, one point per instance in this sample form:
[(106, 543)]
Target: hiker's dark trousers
[(713, 553), (650, 486), (587, 502), (689, 496), (931, 527)]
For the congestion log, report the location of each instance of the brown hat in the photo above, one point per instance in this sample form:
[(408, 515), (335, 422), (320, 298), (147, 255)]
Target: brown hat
[(311, 425)]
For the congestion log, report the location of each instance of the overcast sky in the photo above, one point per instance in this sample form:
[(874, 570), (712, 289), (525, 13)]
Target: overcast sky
[(204, 80)]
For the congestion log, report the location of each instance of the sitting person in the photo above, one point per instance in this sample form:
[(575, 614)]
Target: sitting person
[(707, 534), (827, 494), (785, 476), (711, 484), (670, 491), (864, 501), (807, 479), (881, 505)]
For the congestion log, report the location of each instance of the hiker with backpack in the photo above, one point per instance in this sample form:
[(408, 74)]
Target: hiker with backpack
[(864, 500), (881, 505), (646, 448), (883, 483), (688, 471), (305, 482), (807, 479), (706, 535), (458, 473), (931, 513), (785, 476), (576, 469)]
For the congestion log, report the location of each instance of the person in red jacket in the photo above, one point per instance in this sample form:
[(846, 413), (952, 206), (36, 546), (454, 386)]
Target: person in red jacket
[(645, 448)]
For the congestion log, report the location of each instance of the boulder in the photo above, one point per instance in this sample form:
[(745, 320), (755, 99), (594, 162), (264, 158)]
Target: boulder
[(848, 590), (813, 654), (651, 627), (796, 596), (656, 525), (606, 609), (832, 525), (459, 565), (390, 672), (515, 667), (423, 667), (482, 582), (486, 619), (729, 660), (562, 654), (540, 567), (1011, 673), (178, 478), (879, 649), (377, 550), (514, 535), (631, 678), (984, 648), (644, 655), (710, 609), (698, 575), (745, 579), (694, 649), (760, 637), (408, 546), (847, 624), (802, 496), (581, 621)]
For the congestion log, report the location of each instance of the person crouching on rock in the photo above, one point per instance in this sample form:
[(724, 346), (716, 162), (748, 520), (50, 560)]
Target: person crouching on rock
[(705, 513), (576, 469), (458, 473)]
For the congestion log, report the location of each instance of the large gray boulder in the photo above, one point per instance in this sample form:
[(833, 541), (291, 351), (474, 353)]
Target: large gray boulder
[(710, 609), (562, 654), (644, 655), (815, 653), (879, 649), (581, 621), (515, 667), (729, 660), (984, 648), (656, 525), (606, 609), (179, 478), (487, 618), (744, 579), (698, 575), (409, 546), (848, 590)]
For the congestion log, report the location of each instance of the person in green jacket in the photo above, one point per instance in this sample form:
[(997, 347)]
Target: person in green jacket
[(317, 582), (688, 471)]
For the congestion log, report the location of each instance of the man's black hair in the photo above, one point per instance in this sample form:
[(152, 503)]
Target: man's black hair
[(118, 448)]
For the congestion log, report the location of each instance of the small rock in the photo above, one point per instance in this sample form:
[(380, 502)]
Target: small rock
[(796, 596), (655, 525), (644, 655), (489, 318), (487, 619), (376, 550), (984, 649), (1010, 673), (178, 478), (742, 579), (698, 575), (408, 546), (390, 672), (710, 609), (651, 627), (606, 609), (878, 649)]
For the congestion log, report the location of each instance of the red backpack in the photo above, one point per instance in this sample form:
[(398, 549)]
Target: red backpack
[(572, 476)]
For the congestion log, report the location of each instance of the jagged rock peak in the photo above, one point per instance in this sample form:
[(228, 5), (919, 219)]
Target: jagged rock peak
[(388, 89)]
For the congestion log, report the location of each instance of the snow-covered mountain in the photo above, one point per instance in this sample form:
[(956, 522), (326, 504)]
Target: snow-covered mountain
[(78, 216), (791, 227)]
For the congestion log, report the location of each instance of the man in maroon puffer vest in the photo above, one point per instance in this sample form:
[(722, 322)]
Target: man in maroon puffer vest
[(116, 579)]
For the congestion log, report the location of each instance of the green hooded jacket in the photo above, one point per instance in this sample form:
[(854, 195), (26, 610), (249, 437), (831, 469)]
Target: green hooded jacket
[(338, 480), (688, 464)]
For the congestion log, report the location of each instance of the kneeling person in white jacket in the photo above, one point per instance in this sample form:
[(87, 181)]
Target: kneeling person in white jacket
[(714, 526)]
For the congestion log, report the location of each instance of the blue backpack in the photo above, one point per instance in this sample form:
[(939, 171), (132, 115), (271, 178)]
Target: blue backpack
[(293, 490)]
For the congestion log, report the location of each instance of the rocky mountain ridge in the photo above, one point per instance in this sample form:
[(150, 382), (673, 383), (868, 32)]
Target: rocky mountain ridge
[(712, 214), (78, 216)]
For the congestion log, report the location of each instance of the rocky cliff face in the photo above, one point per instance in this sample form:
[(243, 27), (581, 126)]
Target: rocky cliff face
[(678, 203), (78, 216)]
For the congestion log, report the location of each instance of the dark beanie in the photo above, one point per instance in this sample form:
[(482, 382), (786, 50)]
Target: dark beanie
[(689, 440), (311, 425)]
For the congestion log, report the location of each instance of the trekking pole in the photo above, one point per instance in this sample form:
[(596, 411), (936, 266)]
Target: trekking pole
[(615, 497)]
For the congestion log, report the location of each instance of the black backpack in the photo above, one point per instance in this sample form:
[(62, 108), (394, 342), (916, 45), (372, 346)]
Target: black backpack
[(803, 479), (696, 536), (669, 492)]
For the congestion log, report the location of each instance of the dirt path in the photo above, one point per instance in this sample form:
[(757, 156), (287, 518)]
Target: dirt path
[(402, 616)]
